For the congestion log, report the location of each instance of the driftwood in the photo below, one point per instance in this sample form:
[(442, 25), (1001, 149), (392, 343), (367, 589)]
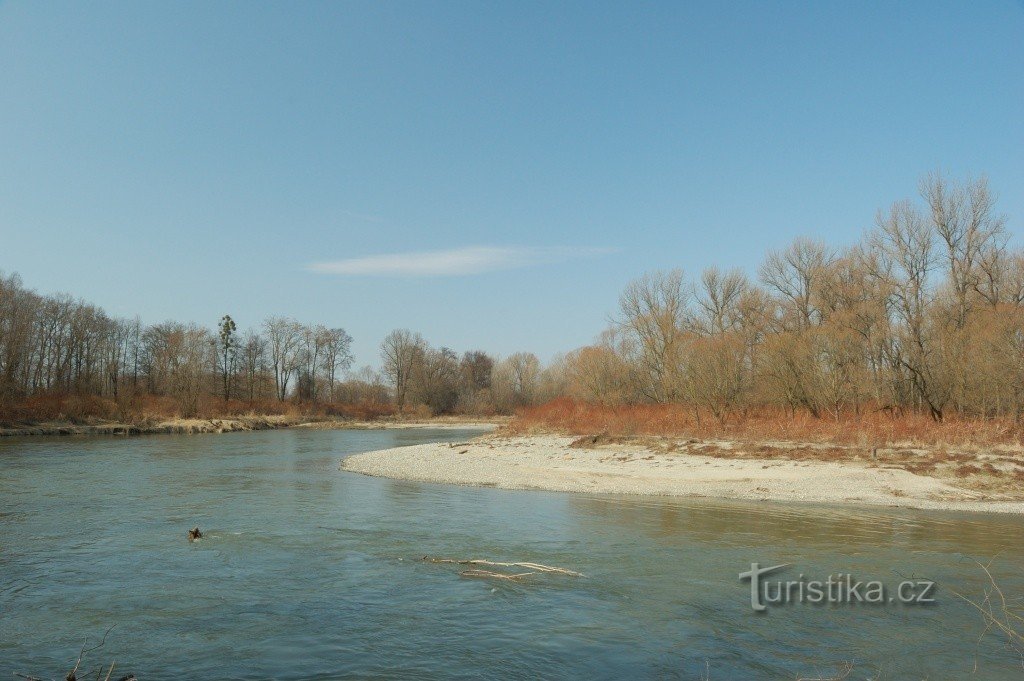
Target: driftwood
[(73, 674), (487, 574), (534, 567)]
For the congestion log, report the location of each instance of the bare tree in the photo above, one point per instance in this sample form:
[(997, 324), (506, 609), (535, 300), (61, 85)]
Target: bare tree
[(398, 352), (599, 372), (435, 379), (253, 359), (337, 356), (793, 273), (718, 299), (192, 348), (963, 219), (717, 375), (284, 336), (653, 313), (905, 252), (517, 380)]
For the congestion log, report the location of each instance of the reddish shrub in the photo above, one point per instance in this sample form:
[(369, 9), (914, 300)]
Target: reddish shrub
[(871, 427)]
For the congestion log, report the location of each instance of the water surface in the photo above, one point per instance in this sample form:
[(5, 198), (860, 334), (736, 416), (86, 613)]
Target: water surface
[(309, 572)]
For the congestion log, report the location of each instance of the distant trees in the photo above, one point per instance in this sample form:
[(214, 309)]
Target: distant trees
[(925, 314), (476, 369), (517, 381), (176, 360), (314, 355), (57, 345), (436, 379), (322, 355), (60, 346), (442, 382), (363, 386), (189, 359)]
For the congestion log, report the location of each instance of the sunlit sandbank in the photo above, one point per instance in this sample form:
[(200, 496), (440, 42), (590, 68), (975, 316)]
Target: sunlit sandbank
[(551, 462)]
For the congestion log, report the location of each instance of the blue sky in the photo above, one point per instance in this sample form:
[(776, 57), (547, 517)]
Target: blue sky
[(186, 160)]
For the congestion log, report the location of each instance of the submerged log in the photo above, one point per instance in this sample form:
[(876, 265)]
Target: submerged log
[(487, 574), (535, 567)]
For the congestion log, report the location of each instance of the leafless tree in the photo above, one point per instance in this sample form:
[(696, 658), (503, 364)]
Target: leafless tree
[(284, 338), (793, 274), (337, 356), (435, 379), (398, 352), (253, 352), (652, 316), (963, 220), (719, 299)]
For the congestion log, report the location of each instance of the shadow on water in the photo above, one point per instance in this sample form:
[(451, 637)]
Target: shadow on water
[(773, 524)]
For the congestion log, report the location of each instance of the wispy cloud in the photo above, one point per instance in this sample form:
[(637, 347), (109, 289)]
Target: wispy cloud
[(454, 262), (361, 217)]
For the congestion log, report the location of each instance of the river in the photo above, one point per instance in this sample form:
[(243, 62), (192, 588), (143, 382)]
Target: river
[(309, 572)]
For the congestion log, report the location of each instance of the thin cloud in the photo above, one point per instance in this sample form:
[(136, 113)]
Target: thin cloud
[(453, 262), (362, 217)]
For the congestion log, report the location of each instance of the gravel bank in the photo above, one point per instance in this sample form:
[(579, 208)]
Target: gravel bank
[(168, 427), (231, 424), (547, 462)]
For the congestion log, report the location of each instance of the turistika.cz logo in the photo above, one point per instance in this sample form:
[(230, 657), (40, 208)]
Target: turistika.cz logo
[(838, 589)]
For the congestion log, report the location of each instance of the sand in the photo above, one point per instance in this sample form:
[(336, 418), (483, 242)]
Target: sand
[(159, 427), (232, 424), (547, 462)]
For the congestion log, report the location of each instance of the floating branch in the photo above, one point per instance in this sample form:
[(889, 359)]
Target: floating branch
[(487, 574), (73, 674), (536, 567)]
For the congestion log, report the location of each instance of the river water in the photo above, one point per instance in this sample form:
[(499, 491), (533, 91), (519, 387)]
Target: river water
[(309, 572)]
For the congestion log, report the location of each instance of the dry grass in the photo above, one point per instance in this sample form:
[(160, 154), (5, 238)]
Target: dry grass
[(143, 409), (57, 407), (870, 428), (978, 455)]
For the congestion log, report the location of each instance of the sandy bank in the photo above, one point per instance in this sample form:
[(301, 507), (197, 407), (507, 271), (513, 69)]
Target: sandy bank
[(168, 426), (547, 462), (442, 423), (231, 424)]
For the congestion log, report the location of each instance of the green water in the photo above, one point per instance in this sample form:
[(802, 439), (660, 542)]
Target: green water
[(308, 572)]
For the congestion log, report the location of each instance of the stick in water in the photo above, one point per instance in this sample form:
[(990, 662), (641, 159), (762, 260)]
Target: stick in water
[(537, 567)]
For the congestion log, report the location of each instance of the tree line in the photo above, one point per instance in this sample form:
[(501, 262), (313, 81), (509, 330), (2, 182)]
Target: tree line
[(56, 345), (924, 313), (438, 381), (60, 345)]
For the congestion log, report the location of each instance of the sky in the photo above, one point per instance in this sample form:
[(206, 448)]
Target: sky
[(488, 174)]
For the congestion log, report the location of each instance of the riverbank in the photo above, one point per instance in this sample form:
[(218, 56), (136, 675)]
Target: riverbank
[(768, 471), (232, 424)]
